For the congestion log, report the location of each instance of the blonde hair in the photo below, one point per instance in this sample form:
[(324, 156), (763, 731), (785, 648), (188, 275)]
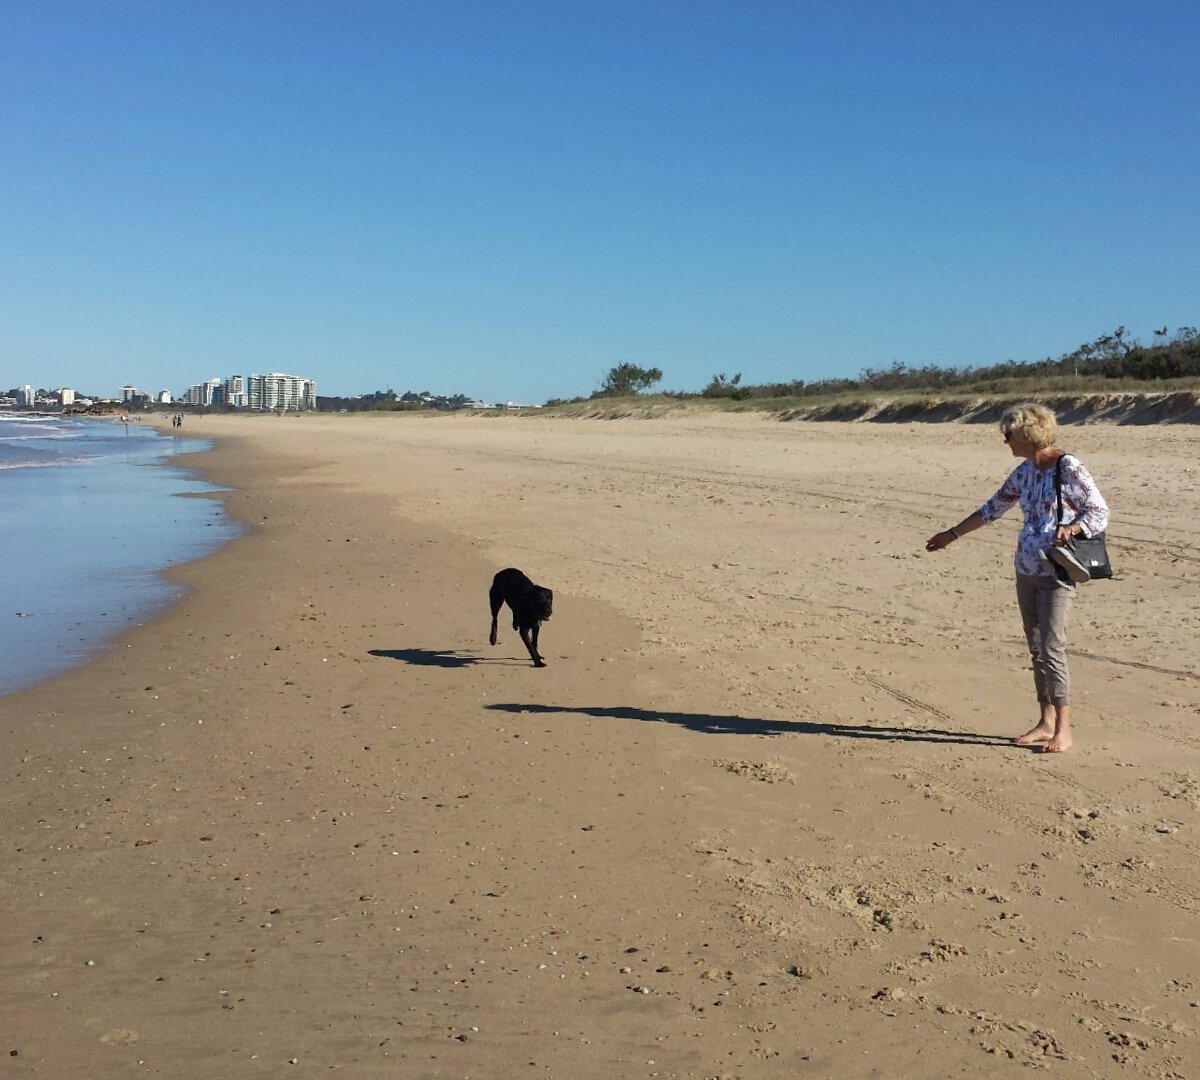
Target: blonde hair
[(1032, 422)]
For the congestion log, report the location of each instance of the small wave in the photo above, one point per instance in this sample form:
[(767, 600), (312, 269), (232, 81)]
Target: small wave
[(14, 428), (44, 435), (7, 466)]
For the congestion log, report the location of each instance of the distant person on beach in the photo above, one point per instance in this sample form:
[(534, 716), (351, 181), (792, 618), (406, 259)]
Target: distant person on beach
[(1043, 596)]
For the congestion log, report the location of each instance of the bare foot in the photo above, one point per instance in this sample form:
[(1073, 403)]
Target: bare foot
[(1060, 742), (1043, 733)]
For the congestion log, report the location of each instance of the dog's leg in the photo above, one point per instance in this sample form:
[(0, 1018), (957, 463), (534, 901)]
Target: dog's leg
[(496, 600), (531, 645)]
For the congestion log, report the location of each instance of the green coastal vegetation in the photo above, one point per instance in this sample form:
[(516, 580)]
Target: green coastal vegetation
[(1113, 363)]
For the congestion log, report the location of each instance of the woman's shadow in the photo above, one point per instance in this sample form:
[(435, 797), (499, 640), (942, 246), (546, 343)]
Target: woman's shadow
[(745, 725), (707, 723)]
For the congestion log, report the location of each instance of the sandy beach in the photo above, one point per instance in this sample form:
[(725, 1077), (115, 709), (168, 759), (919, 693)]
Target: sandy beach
[(760, 816)]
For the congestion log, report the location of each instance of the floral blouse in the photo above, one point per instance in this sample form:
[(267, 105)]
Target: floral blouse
[(1033, 488)]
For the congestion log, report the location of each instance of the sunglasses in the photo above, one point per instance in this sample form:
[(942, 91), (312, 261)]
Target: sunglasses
[(1008, 436)]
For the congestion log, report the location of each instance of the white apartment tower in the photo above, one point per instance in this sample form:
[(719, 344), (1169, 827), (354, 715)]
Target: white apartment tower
[(202, 393), (277, 391), (234, 391)]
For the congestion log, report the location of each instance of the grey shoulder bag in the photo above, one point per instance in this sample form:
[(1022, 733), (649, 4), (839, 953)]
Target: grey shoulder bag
[(1088, 550)]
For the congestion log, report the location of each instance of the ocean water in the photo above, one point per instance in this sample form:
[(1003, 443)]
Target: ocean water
[(91, 514)]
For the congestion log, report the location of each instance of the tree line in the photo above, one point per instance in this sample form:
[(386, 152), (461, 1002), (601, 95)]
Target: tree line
[(1112, 355), (390, 401)]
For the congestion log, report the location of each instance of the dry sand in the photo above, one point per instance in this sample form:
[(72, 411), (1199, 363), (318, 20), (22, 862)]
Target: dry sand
[(758, 818)]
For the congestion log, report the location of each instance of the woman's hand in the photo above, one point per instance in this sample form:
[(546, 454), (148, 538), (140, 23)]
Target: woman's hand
[(940, 540), (1065, 533)]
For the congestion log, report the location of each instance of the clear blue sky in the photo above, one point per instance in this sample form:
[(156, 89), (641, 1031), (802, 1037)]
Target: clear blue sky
[(506, 199)]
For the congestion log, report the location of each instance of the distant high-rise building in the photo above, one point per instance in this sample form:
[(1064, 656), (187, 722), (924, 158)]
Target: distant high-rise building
[(164, 397), (66, 396), (128, 393), (204, 393), (278, 391), (234, 391), (26, 397)]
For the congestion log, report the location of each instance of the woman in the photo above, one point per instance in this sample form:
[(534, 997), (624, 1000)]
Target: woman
[(1044, 589)]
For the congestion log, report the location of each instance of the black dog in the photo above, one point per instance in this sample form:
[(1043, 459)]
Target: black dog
[(531, 606)]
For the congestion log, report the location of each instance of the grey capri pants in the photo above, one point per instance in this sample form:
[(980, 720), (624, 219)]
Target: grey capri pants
[(1045, 604)]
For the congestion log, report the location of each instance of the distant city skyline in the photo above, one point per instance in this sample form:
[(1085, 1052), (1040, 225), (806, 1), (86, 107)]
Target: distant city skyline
[(121, 392), (511, 200), (254, 391)]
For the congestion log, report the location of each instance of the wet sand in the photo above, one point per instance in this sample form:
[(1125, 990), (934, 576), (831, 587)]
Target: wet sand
[(759, 817)]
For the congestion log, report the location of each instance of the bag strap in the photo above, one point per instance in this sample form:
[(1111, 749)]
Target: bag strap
[(1058, 486)]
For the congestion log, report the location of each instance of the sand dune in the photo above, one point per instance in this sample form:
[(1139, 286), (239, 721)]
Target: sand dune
[(758, 818)]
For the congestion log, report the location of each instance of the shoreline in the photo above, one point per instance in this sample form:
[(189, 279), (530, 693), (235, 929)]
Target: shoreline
[(758, 816), (96, 521)]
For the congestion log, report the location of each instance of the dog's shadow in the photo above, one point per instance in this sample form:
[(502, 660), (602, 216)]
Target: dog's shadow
[(444, 658), (745, 725)]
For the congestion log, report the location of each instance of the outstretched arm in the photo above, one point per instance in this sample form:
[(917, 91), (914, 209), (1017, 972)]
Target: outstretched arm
[(941, 540)]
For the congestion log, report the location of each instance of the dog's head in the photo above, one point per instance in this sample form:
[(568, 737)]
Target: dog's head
[(542, 602)]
